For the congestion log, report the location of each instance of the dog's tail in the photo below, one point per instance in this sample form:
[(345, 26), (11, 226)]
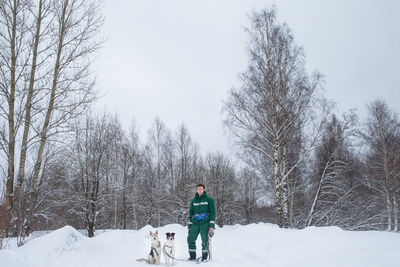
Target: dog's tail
[(142, 259)]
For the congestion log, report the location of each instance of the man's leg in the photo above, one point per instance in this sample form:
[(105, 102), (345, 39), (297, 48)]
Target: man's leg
[(191, 240), (204, 240)]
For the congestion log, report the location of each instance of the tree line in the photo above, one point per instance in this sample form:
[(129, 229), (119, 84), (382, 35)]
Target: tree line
[(62, 163), (323, 169)]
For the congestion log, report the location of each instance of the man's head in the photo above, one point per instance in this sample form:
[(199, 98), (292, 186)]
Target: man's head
[(200, 189)]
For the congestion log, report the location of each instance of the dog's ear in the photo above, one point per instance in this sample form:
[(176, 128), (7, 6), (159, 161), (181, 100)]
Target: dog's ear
[(173, 234), (156, 233), (151, 233)]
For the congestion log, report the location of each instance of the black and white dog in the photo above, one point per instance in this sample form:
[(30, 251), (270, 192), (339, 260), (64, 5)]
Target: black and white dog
[(169, 249)]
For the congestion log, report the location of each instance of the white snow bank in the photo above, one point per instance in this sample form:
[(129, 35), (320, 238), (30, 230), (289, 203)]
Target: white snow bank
[(251, 245), (45, 249)]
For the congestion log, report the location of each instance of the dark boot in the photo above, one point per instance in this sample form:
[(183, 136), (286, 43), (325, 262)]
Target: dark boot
[(204, 256), (192, 256)]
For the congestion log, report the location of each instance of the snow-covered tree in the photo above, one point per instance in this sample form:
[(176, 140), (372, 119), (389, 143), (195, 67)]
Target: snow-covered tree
[(382, 137), (332, 186), (89, 167), (274, 95), (222, 185), (248, 191), (47, 48)]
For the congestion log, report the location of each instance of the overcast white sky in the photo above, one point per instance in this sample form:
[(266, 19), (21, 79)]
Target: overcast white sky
[(177, 59)]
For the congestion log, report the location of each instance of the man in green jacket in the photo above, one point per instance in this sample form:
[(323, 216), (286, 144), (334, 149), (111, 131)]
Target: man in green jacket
[(201, 220)]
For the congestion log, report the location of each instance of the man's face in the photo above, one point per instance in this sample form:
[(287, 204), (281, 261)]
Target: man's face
[(200, 190)]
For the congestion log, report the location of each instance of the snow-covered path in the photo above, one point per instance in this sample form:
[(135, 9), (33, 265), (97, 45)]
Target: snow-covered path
[(252, 245)]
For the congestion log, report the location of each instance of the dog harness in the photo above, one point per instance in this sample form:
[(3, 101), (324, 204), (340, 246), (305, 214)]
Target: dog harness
[(151, 251)]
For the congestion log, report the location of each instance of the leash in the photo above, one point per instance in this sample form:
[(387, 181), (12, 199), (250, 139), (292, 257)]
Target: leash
[(165, 252), (209, 248), (197, 259)]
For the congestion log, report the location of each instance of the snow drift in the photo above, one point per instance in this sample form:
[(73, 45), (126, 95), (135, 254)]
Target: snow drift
[(252, 245)]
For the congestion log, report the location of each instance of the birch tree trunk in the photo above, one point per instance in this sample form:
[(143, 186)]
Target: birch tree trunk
[(14, 54), (28, 105), (12, 25), (395, 214), (43, 133)]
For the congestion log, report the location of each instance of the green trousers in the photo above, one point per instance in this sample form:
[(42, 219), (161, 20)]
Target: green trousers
[(194, 231)]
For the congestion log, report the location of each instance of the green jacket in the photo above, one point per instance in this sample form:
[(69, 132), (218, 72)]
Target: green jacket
[(202, 204)]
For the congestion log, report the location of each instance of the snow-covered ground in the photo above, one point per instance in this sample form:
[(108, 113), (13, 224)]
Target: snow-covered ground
[(234, 246)]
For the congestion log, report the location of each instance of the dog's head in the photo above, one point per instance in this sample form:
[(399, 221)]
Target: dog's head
[(154, 236), (170, 236)]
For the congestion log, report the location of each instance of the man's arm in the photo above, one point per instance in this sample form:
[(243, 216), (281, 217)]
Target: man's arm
[(191, 213), (211, 208)]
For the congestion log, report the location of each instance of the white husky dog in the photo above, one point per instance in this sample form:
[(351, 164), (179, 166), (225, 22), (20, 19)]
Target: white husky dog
[(169, 249), (155, 251)]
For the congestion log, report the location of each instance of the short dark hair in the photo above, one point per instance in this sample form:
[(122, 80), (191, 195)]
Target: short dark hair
[(202, 185)]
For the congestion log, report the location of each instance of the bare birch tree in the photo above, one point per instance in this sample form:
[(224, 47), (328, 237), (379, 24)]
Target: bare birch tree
[(154, 196), (47, 47), (249, 192), (383, 160), (332, 189), (186, 160), (71, 87), (275, 93), (132, 164), (88, 169), (13, 61), (221, 184)]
